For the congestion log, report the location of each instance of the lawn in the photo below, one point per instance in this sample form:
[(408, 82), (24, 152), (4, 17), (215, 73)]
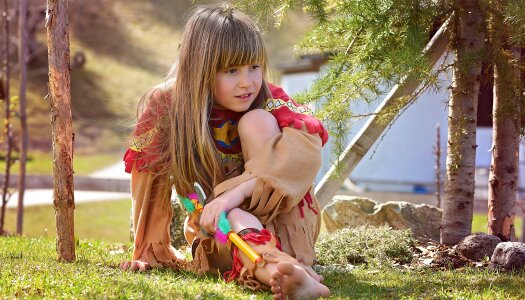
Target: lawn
[(40, 163), (479, 224), (107, 220), (29, 269)]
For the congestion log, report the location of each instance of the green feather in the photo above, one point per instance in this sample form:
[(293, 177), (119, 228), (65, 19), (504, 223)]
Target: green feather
[(224, 224), (188, 205)]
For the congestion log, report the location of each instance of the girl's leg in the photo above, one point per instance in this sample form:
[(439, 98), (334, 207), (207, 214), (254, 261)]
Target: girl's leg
[(256, 128), (288, 279)]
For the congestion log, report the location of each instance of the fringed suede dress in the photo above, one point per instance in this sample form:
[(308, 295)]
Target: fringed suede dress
[(282, 199)]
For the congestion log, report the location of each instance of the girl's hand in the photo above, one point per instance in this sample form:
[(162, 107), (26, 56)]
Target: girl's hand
[(287, 118), (225, 202), (134, 265), (211, 211)]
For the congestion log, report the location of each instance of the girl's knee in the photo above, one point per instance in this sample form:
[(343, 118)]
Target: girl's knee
[(258, 120), (241, 219), (235, 214)]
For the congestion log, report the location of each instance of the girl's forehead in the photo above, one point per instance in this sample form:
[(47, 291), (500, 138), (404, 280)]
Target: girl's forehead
[(230, 66)]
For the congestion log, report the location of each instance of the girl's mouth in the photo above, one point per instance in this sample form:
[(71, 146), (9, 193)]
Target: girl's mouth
[(244, 96)]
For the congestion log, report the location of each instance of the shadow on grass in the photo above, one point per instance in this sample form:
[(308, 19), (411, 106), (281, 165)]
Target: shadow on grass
[(174, 13), (426, 283), (188, 285), (96, 25), (89, 100)]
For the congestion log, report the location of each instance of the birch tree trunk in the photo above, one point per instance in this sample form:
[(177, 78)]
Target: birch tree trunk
[(61, 125), (22, 58), (467, 42), (503, 177)]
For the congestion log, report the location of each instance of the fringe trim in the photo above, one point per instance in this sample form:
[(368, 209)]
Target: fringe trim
[(258, 238), (160, 254), (308, 199)]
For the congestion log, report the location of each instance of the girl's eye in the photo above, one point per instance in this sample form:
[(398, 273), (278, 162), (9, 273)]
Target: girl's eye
[(255, 67), (231, 71)]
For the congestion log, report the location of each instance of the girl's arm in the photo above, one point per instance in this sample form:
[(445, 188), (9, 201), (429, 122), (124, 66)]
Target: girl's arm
[(290, 114), (152, 214), (228, 200)]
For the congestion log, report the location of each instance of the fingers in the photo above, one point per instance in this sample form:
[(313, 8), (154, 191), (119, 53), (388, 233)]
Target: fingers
[(207, 220), (138, 265), (283, 123), (298, 124), (124, 265), (324, 136), (310, 126), (135, 265)]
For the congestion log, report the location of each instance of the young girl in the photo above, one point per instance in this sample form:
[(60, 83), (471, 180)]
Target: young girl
[(254, 151)]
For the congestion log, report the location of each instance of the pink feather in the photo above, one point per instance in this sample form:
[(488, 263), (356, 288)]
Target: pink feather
[(221, 237)]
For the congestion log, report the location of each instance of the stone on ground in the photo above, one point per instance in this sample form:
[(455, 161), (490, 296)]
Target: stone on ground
[(348, 211), (508, 256), (478, 245)]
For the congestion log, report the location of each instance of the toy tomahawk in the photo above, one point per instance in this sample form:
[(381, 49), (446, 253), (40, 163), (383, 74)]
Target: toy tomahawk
[(223, 232)]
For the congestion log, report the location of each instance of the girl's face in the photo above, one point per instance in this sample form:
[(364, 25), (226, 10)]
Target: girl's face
[(237, 87)]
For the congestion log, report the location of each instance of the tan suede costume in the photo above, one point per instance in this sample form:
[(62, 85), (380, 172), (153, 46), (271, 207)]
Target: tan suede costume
[(282, 200)]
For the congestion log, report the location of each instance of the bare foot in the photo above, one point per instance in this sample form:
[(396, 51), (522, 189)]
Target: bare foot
[(293, 282), (135, 265), (317, 277)]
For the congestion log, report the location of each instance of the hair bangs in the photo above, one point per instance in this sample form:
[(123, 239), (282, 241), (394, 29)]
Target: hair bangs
[(240, 45)]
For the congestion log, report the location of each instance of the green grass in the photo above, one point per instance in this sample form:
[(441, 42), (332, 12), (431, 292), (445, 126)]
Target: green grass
[(107, 220), (425, 284), (30, 269), (479, 224), (40, 163)]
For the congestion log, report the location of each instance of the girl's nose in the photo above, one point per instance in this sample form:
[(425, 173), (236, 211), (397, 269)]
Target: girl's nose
[(244, 79)]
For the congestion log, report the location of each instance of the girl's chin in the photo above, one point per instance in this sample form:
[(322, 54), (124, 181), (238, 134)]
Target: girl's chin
[(239, 106)]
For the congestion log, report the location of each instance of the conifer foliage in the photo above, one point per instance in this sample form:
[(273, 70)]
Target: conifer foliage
[(371, 45)]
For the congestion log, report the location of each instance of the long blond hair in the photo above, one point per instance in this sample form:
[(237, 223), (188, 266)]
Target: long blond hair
[(216, 37)]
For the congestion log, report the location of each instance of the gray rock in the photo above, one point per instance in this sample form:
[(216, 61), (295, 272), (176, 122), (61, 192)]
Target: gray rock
[(508, 256), (478, 245), (347, 211)]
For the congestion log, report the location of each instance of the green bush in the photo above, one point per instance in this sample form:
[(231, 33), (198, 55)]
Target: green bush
[(376, 246)]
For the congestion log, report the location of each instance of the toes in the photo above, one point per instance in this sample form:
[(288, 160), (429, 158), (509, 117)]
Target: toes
[(276, 276), (276, 289), (317, 278), (275, 282), (285, 268)]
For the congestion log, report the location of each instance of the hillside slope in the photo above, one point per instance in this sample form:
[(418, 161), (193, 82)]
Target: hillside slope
[(129, 46)]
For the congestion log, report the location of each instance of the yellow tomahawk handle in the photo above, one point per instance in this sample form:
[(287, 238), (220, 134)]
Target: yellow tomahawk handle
[(246, 249)]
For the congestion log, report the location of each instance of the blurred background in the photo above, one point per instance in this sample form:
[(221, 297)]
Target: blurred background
[(119, 49), (122, 48)]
